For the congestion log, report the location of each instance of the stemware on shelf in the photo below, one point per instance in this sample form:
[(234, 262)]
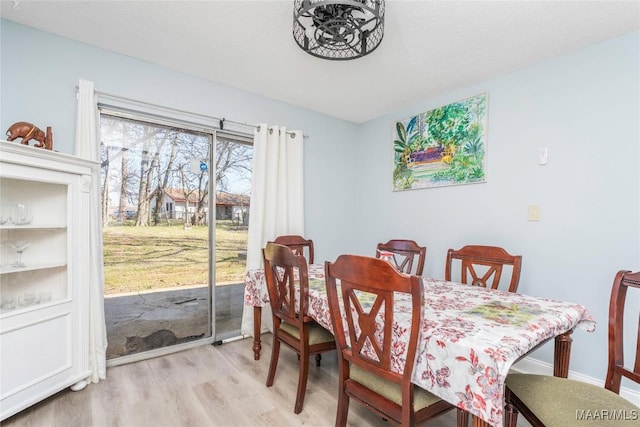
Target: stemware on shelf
[(28, 299), (5, 209), (20, 214), (7, 302), (19, 246)]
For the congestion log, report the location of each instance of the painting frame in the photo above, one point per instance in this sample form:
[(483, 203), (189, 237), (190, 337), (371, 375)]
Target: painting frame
[(444, 146)]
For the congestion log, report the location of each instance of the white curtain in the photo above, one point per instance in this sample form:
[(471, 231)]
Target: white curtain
[(87, 147), (277, 198)]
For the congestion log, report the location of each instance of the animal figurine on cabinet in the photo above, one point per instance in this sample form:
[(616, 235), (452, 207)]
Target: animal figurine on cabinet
[(28, 131)]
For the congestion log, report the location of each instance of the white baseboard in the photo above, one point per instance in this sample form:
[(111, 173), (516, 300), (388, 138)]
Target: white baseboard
[(530, 365)]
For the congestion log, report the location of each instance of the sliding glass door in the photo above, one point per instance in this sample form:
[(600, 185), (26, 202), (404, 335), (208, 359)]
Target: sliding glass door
[(170, 278), (155, 193), (233, 161)]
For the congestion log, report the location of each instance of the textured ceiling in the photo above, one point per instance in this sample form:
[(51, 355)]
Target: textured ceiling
[(429, 47)]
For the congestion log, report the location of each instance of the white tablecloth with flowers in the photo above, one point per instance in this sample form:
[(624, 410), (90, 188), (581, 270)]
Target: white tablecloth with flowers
[(470, 336)]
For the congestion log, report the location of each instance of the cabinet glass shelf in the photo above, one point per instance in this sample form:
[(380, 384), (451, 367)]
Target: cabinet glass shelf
[(33, 227), (6, 269)]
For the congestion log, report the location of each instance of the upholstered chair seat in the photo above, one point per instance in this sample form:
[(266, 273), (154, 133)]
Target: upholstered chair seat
[(564, 402), (547, 401), (317, 334), (392, 391)]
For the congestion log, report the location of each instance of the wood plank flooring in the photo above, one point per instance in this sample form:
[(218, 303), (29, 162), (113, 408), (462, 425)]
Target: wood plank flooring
[(205, 386)]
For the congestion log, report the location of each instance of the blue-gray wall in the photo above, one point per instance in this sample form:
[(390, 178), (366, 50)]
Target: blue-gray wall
[(584, 106), (39, 74)]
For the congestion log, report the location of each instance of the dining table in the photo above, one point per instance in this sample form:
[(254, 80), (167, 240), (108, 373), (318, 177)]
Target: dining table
[(469, 338)]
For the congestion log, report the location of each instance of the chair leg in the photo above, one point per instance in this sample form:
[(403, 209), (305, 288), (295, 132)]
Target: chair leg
[(463, 418), (275, 352), (302, 380), (343, 409), (318, 359), (510, 415)]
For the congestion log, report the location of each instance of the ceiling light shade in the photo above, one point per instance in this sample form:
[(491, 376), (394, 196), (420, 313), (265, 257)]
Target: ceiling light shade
[(338, 29)]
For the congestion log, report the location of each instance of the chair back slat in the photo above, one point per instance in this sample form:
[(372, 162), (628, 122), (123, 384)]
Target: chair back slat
[(625, 283), (405, 254), (483, 266), (366, 294), (286, 275), (298, 244)]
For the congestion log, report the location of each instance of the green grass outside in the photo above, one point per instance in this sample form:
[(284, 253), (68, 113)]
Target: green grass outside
[(167, 256)]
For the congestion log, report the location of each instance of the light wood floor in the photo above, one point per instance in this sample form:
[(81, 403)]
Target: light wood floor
[(205, 386)]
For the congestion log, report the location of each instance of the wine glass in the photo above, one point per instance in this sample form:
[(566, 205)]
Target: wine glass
[(19, 246), (20, 214), (7, 302), (5, 208)]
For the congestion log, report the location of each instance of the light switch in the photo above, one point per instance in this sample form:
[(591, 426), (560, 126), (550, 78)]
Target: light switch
[(543, 154), (533, 213)]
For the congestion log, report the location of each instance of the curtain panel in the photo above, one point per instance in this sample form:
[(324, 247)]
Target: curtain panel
[(277, 198), (87, 146)]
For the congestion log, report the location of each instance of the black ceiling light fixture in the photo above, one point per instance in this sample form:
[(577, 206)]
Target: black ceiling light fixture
[(338, 29)]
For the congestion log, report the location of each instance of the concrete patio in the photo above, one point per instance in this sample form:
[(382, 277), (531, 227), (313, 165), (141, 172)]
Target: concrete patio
[(185, 311)]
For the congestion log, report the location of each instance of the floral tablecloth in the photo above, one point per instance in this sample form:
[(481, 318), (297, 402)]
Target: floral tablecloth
[(469, 339)]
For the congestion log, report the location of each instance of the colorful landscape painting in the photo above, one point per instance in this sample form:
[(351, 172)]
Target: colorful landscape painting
[(444, 146)]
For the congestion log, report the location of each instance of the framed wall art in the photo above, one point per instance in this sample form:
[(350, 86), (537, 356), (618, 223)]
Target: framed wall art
[(443, 146)]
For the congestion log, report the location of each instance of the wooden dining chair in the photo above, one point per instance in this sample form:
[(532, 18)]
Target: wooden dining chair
[(365, 344), (552, 401), (298, 244), (291, 325), (483, 265), (405, 252)]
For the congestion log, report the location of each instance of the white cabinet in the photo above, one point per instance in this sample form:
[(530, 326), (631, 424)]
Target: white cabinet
[(44, 302)]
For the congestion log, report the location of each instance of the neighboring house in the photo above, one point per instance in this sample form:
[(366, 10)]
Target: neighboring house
[(233, 206), (177, 207), (228, 206)]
